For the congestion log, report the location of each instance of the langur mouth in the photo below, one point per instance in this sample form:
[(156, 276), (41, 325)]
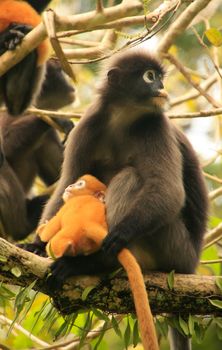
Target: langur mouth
[(162, 93)]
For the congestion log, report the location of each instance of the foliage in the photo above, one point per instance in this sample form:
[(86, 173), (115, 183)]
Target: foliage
[(28, 319)]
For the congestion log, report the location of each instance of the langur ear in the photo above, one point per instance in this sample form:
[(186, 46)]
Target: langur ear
[(113, 76)]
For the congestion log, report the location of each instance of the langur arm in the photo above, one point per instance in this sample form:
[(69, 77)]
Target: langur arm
[(22, 134), (49, 157), (49, 229), (68, 266)]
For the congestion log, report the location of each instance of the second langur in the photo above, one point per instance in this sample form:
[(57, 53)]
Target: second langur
[(156, 200), (31, 148), (79, 228)]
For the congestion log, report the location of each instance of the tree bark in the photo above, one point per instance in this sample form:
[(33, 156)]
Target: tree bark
[(191, 294)]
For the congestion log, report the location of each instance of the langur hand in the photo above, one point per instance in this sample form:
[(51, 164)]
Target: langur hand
[(114, 242), (12, 36), (37, 247), (60, 270)]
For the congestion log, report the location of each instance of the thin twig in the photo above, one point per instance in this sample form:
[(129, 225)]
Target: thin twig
[(200, 114), (5, 320), (213, 236), (216, 261), (188, 77), (213, 177)]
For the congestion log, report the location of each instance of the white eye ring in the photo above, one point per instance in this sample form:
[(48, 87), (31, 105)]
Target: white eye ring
[(149, 76), (79, 184)]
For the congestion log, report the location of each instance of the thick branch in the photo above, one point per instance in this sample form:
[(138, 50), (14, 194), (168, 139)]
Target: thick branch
[(87, 20), (190, 294)]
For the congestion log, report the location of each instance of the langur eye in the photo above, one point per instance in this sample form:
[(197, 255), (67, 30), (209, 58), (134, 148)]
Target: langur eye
[(79, 184), (149, 76)]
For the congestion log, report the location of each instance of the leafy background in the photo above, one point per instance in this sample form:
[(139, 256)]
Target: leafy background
[(28, 320)]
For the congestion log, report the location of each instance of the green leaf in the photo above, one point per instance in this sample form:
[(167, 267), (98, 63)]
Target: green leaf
[(86, 328), (217, 303), (218, 321), (86, 292), (219, 282), (214, 36), (100, 315), (101, 336), (191, 324), (170, 280), (6, 293), (16, 271), (136, 336), (3, 259), (162, 326), (199, 333), (62, 330), (127, 335), (51, 253), (184, 326), (116, 327), (219, 332)]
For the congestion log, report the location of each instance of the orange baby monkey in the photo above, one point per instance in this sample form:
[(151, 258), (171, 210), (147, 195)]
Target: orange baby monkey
[(79, 228), (21, 84)]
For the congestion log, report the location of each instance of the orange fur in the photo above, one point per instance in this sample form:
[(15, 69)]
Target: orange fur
[(140, 297), (15, 11), (79, 228), (79, 220)]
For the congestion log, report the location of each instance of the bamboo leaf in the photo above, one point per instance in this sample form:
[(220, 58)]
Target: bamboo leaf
[(219, 283), (217, 303), (136, 336), (116, 327), (184, 326), (86, 292), (127, 334), (170, 280)]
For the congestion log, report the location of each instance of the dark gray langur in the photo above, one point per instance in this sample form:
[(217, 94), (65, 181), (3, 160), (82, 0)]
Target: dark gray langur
[(31, 148), (156, 200)]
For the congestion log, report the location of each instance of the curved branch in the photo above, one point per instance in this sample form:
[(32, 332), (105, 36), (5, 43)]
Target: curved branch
[(190, 294)]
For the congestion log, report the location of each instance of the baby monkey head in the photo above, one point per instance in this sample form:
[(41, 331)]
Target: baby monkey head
[(85, 185), (137, 77)]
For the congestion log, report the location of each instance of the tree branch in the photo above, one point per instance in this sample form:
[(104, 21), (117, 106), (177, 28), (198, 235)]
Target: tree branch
[(190, 294), (181, 23), (88, 21), (200, 114)]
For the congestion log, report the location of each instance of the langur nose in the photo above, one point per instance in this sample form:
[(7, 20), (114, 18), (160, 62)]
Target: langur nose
[(162, 93)]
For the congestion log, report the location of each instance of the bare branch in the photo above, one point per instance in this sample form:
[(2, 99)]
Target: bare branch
[(183, 71), (213, 236), (200, 114), (213, 177), (194, 93), (216, 193), (179, 26)]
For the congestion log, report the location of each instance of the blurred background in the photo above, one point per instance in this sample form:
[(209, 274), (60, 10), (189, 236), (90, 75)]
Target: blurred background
[(27, 319)]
